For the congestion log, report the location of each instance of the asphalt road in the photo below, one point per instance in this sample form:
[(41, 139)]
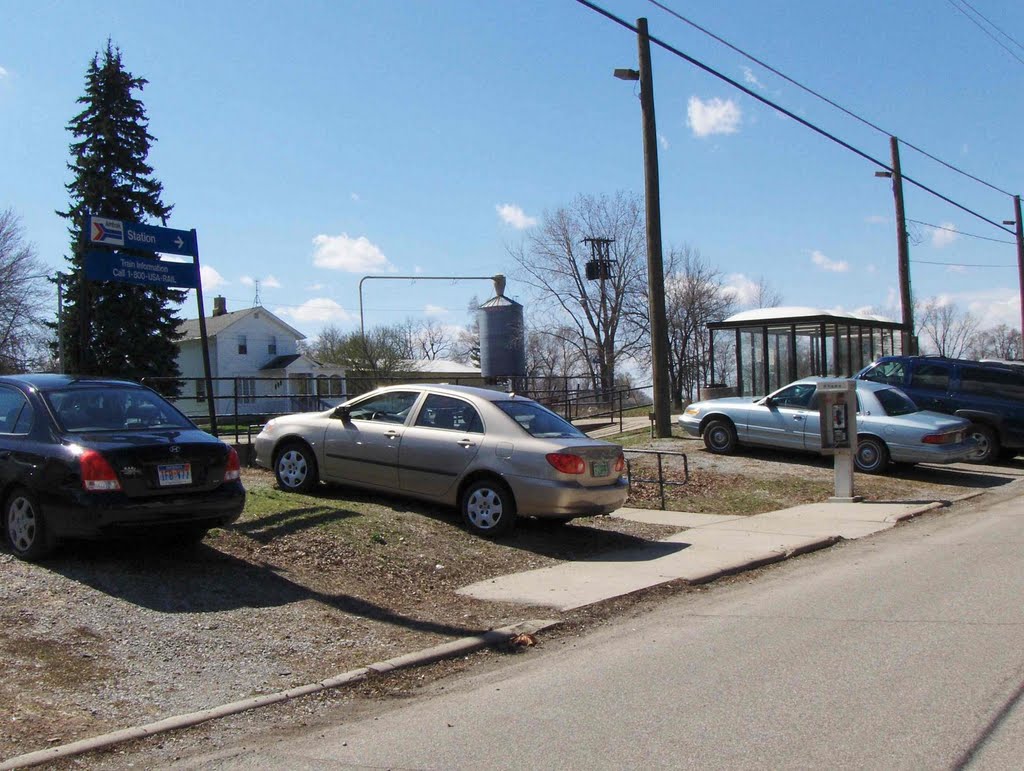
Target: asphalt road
[(903, 650)]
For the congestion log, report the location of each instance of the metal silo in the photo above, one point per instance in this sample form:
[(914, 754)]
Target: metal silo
[(502, 341)]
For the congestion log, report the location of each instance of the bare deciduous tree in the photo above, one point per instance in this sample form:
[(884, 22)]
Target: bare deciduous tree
[(552, 260), (999, 342), (694, 295), (23, 298), (945, 329)]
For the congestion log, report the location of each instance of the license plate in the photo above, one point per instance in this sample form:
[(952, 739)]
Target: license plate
[(175, 474), (599, 468)]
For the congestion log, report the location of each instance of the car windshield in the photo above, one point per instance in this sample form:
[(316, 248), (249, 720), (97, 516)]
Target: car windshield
[(539, 421), (895, 402), (110, 408)]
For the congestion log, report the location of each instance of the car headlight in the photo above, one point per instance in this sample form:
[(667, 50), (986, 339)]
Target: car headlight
[(693, 411)]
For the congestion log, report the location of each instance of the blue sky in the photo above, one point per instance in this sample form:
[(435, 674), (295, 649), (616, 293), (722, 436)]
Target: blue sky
[(313, 143)]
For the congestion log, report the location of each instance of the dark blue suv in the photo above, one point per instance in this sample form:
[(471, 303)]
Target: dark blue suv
[(990, 395)]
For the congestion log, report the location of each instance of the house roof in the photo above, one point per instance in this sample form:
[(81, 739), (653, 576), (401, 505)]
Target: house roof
[(189, 328)]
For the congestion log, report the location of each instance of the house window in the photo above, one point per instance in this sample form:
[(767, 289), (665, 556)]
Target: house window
[(243, 347), (272, 346), (200, 390), (247, 389)]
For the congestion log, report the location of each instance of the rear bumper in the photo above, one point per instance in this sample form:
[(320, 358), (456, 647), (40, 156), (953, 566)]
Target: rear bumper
[(552, 498), (78, 514), (929, 453)]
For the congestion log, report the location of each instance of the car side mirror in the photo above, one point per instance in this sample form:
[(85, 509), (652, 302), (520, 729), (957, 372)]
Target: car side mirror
[(342, 413), (768, 401)]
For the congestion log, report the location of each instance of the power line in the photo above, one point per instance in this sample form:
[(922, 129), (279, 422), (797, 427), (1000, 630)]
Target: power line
[(960, 232), (982, 28), (961, 264), (822, 97), (789, 114)]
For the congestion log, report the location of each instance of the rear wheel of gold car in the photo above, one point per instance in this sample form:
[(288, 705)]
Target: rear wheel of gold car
[(488, 508), (295, 468)]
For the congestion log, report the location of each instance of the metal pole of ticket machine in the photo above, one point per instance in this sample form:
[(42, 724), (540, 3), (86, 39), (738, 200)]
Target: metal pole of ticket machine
[(205, 343)]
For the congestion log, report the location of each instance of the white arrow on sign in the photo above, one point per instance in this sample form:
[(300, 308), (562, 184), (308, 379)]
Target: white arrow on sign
[(178, 242)]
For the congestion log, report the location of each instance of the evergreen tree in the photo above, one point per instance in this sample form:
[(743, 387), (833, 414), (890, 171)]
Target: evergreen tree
[(113, 328)]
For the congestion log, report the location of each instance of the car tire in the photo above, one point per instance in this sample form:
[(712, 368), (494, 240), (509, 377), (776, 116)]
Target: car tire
[(872, 455), (25, 526), (720, 437), (295, 468), (988, 443), (488, 508)]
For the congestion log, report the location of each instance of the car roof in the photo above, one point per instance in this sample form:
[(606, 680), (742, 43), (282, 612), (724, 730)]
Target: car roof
[(862, 385), (487, 394), (48, 381)]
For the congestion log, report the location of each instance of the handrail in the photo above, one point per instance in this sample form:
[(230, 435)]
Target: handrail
[(661, 481)]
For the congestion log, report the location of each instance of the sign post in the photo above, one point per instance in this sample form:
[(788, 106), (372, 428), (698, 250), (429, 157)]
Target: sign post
[(106, 265)]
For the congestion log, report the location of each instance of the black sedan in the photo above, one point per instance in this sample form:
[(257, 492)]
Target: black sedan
[(93, 458)]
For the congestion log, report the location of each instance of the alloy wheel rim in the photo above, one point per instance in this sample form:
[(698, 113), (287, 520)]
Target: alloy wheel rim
[(292, 467), (21, 524), (484, 508)]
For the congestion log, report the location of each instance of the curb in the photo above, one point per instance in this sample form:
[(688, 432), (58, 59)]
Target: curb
[(440, 652)]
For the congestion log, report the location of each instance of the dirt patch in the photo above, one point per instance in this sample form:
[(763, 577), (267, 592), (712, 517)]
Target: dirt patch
[(104, 636)]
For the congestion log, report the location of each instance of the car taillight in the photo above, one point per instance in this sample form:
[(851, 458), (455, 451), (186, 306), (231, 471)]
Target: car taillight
[(620, 464), (952, 438), (233, 470), (97, 473), (566, 462)]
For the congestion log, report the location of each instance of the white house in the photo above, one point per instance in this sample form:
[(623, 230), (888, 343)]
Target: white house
[(255, 364)]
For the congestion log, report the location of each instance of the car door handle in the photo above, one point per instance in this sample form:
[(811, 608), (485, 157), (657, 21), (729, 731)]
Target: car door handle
[(392, 434), (466, 443), (798, 417)]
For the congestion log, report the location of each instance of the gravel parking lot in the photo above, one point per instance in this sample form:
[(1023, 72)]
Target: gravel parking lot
[(104, 636)]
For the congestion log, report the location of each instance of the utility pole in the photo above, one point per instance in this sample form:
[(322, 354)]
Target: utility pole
[(600, 268), (903, 253), (1020, 258), (655, 266)]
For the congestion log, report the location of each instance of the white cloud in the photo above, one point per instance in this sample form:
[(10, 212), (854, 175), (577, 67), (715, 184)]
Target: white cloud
[(944, 235), (823, 262), (270, 282), (3, 72), (355, 197), (714, 116), (435, 310), (322, 310), (247, 281), (876, 219), (663, 141), (353, 255), (514, 215), (211, 278), (744, 289), (750, 78)]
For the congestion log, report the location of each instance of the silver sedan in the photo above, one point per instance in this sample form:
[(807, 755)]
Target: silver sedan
[(494, 455), (890, 427)]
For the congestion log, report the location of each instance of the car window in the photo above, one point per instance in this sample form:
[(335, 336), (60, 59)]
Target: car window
[(930, 375), (895, 402), (448, 412), (796, 395), (15, 412), (111, 408), (990, 381), (388, 407), (890, 372), (538, 421)]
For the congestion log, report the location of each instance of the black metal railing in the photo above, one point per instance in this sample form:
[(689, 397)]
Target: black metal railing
[(660, 480)]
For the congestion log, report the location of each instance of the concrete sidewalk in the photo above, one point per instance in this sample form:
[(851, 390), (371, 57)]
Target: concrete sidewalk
[(710, 547)]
